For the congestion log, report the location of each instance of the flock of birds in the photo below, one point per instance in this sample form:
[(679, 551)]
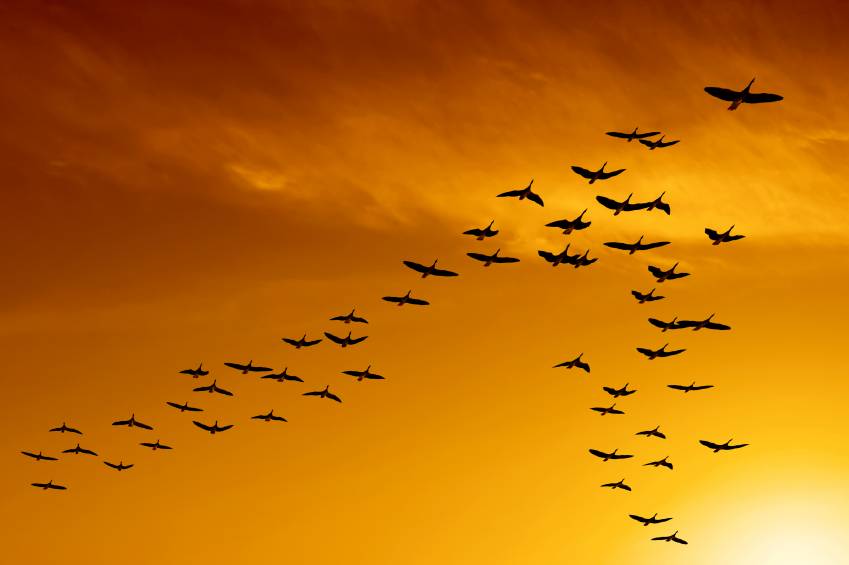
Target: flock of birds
[(576, 260)]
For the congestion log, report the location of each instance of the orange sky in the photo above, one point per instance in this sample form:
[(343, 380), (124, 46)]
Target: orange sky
[(193, 182)]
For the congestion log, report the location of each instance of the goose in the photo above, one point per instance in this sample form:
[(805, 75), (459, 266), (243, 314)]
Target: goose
[(350, 318), (283, 377), (213, 388), (568, 226), (63, 428), (723, 237), (269, 417), (617, 485), (690, 387), (717, 447), (646, 521), (609, 456), (559, 258), (617, 392), (214, 428), (671, 537), (667, 275), (672, 324), (659, 463), (652, 145), (638, 245), (156, 445), (132, 423), (324, 394), (406, 299), (364, 374), (744, 96), (249, 368), (303, 342), (345, 341), (706, 324), (652, 354), (119, 466), (80, 450), (608, 410), (184, 407), (652, 433), (488, 260), (49, 485), (195, 373), (523, 193), (629, 137), (430, 270), (600, 174), (642, 298), (576, 362), (482, 233)]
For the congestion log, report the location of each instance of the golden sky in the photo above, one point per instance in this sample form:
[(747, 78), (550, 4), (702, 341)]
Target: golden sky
[(192, 181)]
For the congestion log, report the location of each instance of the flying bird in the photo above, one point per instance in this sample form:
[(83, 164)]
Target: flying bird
[(609, 456), (324, 394), (345, 341), (619, 484), (213, 388), (184, 407), (600, 174), (364, 374), (619, 207), (63, 428), (214, 428), (659, 463), (646, 521), (429, 270), (576, 362), (617, 392), (283, 377), (642, 298), (195, 373), (156, 445), (666, 275), (629, 137), (672, 324), (249, 368), (671, 537), (744, 96), (559, 258), (49, 485), (584, 260), (706, 324), (78, 450), (349, 318), (269, 417), (119, 466), (406, 299), (132, 423), (38, 456), (608, 410), (652, 145), (652, 354), (303, 342), (638, 245), (652, 433), (568, 226), (657, 203), (488, 260), (717, 447), (481, 233), (690, 387), (723, 237), (523, 193)]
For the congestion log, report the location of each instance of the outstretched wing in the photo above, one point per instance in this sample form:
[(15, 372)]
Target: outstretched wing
[(723, 93), (202, 426), (536, 198), (647, 142), (418, 267), (359, 320), (237, 366), (608, 202), (220, 390), (143, 426), (610, 174), (620, 456), (716, 326), (673, 276), (678, 387), (479, 256), (121, 423), (355, 340), (547, 255), (670, 353), (761, 97), (653, 245), (645, 351), (667, 143), (583, 172), (336, 339), (290, 341), (313, 393), (416, 301), (500, 259), (656, 271), (510, 193), (735, 237), (312, 342), (388, 299), (475, 232), (676, 539), (663, 206), (332, 396), (257, 369), (108, 464), (738, 446), (618, 134), (702, 387), (619, 245), (712, 234), (225, 428), (598, 453), (443, 273), (638, 518), (661, 324), (647, 134), (709, 444)]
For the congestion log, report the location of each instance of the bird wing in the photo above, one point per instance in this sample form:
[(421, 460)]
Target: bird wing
[(637, 518), (108, 464), (660, 323), (121, 423), (289, 341), (611, 174), (717, 326), (620, 135), (619, 245), (647, 134), (500, 259), (389, 299), (175, 405), (418, 267), (702, 387), (510, 193), (334, 338), (723, 93), (355, 340), (143, 426), (620, 456), (256, 369), (479, 256), (598, 453), (711, 233), (631, 206), (237, 366), (203, 388), (652, 245), (639, 295), (667, 143), (677, 387), (58, 487), (547, 255), (87, 451), (353, 373), (678, 540), (225, 428), (582, 365), (313, 393), (610, 390), (661, 520), (375, 376), (475, 232), (582, 172), (312, 342), (738, 446), (626, 487), (656, 271), (664, 206), (536, 198), (672, 352), (279, 418), (359, 320), (417, 301), (607, 202), (562, 224), (661, 538), (598, 409), (202, 426), (187, 372), (645, 351), (293, 378), (760, 97), (673, 276), (646, 142), (332, 396), (220, 390), (443, 273), (735, 237), (709, 444), (615, 411)]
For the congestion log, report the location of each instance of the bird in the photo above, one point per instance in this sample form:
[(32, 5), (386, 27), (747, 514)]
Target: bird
[(671, 537), (488, 260), (706, 324), (723, 237), (619, 484), (559, 258), (213, 388), (523, 193), (659, 463), (269, 417), (324, 394), (690, 387), (666, 275), (608, 410), (364, 374), (249, 368), (629, 137), (303, 342), (63, 428), (657, 203), (283, 377), (345, 341), (350, 318), (584, 260), (49, 485), (607, 456), (672, 324), (600, 174), (184, 407), (156, 445), (638, 245), (744, 96), (119, 466), (652, 145), (406, 299), (568, 226), (617, 392), (662, 352), (431, 270), (717, 447), (38, 456), (481, 233), (576, 362), (214, 428), (132, 423), (78, 450), (652, 433), (646, 521), (619, 207), (642, 298), (195, 373)]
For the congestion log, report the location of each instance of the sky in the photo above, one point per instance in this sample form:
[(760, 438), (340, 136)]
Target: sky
[(193, 181)]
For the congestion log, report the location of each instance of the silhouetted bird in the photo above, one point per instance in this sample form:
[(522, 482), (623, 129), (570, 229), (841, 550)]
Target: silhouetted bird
[(576, 362), (646, 521), (195, 373), (723, 237), (659, 463), (38, 456), (349, 318), (662, 352), (213, 388), (214, 428), (619, 484), (184, 407), (617, 392), (638, 245), (671, 537), (249, 368), (80, 450), (364, 374), (643, 298), (429, 270), (629, 137), (119, 467), (303, 342), (481, 233), (670, 325), (559, 258), (324, 394), (568, 226), (717, 447), (523, 193), (283, 377), (619, 207), (132, 423), (608, 410), (406, 299), (659, 204), (689, 387), (652, 145), (743, 96), (608, 456), (63, 428), (156, 445), (49, 485), (345, 341), (600, 174), (488, 260), (652, 433), (666, 275), (584, 260), (706, 324), (270, 417)]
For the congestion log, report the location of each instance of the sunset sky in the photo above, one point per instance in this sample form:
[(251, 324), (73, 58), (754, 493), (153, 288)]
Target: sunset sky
[(193, 181)]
